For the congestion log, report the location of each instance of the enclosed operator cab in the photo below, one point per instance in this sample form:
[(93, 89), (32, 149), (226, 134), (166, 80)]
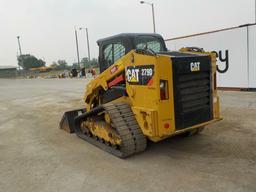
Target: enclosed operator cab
[(113, 48)]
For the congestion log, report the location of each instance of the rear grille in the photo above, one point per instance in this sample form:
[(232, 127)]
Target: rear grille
[(192, 91)]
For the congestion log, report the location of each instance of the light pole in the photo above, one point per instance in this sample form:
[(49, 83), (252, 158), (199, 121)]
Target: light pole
[(88, 44), (18, 38), (77, 49), (153, 13)]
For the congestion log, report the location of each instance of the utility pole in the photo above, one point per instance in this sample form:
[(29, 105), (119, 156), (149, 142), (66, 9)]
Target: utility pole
[(88, 43), (77, 49), (153, 13)]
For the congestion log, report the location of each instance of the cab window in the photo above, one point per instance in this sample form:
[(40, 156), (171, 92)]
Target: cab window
[(108, 55), (112, 53), (150, 42), (119, 51)]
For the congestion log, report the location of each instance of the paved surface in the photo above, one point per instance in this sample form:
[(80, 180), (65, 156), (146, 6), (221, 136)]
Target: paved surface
[(36, 156)]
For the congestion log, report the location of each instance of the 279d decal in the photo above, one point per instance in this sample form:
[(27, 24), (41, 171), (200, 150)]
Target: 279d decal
[(139, 75)]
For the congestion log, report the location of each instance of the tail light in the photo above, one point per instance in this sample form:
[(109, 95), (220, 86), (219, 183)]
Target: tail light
[(164, 90)]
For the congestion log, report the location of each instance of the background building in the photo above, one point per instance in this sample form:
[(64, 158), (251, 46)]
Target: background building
[(236, 51), (8, 71)]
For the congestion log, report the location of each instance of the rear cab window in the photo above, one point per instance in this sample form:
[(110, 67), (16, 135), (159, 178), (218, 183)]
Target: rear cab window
[(149, 42)]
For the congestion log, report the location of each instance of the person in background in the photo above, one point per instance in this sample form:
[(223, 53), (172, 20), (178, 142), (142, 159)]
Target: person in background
[(74, 72), (83, 72), (93, 71)]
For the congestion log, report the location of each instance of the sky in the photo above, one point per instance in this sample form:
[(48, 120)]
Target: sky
[(46, 27)]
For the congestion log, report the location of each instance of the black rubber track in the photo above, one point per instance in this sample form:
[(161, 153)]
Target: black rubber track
[(123, 120)]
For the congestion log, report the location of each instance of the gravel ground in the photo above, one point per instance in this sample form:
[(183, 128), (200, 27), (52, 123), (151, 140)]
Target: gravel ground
[(36, 156)]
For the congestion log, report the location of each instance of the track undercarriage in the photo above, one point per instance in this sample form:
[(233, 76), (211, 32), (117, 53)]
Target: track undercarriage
[(111, 127)]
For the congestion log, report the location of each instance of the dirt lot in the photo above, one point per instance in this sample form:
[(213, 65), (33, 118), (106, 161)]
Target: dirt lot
[(36, 156)]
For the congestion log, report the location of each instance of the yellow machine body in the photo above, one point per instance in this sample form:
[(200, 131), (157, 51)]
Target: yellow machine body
[(155, 117)]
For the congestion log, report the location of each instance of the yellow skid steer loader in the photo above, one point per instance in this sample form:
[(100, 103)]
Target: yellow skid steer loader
[(145, 92)]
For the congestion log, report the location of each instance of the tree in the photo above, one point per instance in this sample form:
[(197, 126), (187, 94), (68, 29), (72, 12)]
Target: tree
[(88, 64), (29, 61), (60, 65), (94, 62), (85, 62), (75, 66), (54, 65)]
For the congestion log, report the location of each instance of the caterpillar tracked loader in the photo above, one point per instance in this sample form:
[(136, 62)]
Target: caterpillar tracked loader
[(145, 92)]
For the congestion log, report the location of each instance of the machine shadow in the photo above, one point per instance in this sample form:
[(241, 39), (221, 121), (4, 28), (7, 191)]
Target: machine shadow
[(198, 144)]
